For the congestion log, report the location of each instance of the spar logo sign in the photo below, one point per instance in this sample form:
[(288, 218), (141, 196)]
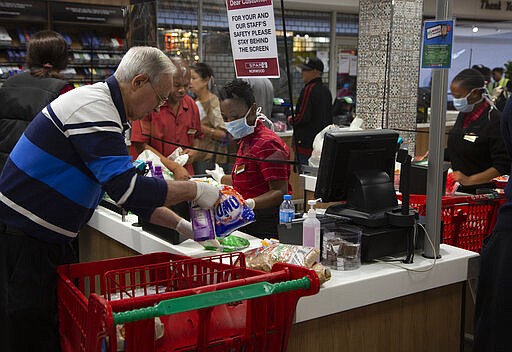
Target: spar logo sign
[(253, 38)]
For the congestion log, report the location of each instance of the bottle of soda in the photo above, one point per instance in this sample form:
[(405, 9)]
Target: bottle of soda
[(286, 210)]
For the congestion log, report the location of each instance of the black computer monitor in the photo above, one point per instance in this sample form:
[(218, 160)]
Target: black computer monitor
[(358, 167)]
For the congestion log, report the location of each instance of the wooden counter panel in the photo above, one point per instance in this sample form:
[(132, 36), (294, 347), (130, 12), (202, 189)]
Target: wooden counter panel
[(94, 245), (422, 139), (427, 321)]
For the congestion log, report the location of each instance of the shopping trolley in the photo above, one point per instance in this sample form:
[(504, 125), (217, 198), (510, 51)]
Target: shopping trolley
[(206, 304), (466, 219)]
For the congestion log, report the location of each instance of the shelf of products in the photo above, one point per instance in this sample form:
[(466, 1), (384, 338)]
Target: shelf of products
[(91, 57), (95, 35)]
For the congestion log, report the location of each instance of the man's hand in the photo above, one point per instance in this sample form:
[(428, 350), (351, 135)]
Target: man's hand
[(184, 227), (206, 195)]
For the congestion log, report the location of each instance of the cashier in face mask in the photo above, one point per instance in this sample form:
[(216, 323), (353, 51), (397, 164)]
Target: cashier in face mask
[(475, 146), (260, 178)]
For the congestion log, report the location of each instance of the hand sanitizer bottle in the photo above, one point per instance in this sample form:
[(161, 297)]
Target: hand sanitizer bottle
[(311, 227)]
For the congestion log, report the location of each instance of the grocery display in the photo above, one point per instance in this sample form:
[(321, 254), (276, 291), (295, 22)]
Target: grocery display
[(96, 41)]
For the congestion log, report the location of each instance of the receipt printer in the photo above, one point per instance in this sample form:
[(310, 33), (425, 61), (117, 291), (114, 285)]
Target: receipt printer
[(418, 177)]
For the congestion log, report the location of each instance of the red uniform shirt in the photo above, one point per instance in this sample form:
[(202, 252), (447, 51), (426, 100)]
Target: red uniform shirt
[(251, 177), (182, 128)]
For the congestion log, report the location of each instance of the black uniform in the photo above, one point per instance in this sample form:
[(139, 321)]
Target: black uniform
[(477, 147), (493, 311), (314, 109)]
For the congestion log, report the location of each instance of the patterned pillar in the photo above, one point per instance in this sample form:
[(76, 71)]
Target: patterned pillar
[(388, 64)]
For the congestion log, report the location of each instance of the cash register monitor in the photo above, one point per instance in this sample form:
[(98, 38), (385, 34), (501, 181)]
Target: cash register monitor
[(358, 167)]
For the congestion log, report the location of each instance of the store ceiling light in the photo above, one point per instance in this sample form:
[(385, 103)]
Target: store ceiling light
[(475, 29)]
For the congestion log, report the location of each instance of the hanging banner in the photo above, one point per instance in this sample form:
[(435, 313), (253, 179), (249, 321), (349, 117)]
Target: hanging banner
[(253, 38), (437, 44)]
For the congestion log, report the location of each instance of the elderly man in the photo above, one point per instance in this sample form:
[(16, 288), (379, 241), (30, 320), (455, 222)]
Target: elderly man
[(71, 153)]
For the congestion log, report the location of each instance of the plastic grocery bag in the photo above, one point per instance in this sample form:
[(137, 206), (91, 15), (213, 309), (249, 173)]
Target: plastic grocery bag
[(148, 155), (318, 142)]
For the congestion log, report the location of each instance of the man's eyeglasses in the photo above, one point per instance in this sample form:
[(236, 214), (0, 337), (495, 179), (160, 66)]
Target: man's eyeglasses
[(161, 100)]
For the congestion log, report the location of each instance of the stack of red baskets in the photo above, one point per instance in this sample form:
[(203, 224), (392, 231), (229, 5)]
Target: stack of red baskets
[(467, 219)]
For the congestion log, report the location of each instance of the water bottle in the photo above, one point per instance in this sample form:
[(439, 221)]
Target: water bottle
[(286, 210)]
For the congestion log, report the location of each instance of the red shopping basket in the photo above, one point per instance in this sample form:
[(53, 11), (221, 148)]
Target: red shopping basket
[(467, 220), (205, 304)]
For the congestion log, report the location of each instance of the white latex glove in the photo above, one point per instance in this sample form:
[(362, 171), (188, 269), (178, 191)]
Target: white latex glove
[(184, 227), (206, 195), (217, 174), (250, 203)]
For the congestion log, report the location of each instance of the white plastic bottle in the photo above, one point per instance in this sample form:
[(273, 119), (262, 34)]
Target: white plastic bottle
[(311, 228)]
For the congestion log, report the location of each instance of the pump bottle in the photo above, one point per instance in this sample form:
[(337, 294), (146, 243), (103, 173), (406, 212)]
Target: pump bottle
[(311, 227)]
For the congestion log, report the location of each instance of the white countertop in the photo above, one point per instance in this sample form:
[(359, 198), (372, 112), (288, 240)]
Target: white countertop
[(372, 283), (377, 282), (143, 242), (451, 117), (287, 133)]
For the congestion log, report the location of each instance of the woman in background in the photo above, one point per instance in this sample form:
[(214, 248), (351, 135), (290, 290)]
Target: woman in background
[(212, 124), (23, 95), (475, 146)]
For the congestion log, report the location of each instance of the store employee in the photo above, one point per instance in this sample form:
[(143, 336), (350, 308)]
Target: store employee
[(260, 180), (475, 146)]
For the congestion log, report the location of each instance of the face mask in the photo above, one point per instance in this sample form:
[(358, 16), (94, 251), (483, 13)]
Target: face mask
[(239, 128), (462, 105)]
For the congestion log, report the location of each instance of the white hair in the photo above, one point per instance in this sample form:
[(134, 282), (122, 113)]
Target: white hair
[(144, 60)]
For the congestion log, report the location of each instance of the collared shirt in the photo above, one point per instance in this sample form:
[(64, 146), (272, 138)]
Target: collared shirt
[(251, 177), (180, 128), (71, 153)]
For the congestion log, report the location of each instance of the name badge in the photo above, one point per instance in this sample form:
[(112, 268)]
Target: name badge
[(470, 138), (239, 169), (191, 131)]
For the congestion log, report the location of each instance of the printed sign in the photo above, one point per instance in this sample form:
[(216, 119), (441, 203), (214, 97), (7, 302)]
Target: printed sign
[(437, 44), (24, 11), (91, 14), (253, 38)]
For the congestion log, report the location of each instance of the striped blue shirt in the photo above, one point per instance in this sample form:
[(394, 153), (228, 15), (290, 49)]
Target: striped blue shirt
[(71, 153)]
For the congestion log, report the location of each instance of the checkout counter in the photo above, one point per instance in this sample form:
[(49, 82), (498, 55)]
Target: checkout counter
[(374, 308)]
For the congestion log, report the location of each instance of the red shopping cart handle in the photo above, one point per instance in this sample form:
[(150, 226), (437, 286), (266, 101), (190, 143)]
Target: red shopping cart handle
[(210, 299), (471, 198), (457, 199)]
